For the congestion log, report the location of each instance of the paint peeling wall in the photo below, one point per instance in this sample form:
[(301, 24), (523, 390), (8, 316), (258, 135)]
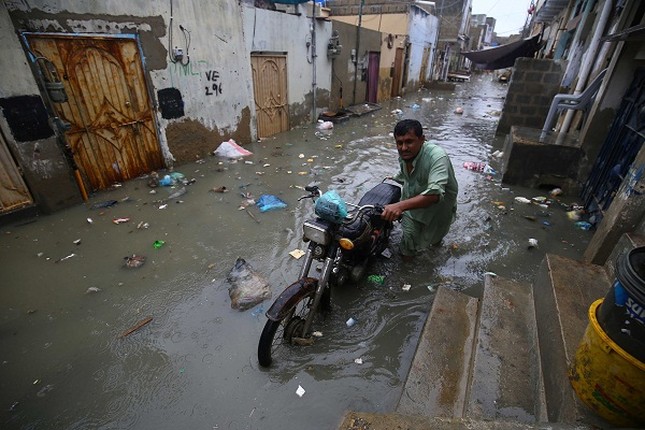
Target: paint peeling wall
[(423, 32), (277, 32)]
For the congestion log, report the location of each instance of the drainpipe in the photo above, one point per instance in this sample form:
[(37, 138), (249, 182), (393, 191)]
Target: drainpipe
[(587, 63), (313, 58), (358, 38)]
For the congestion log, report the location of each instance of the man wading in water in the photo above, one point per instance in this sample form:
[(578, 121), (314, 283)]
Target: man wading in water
[(429, 197)]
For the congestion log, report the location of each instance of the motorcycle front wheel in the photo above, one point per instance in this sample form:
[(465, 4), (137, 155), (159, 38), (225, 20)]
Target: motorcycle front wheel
[(277, 336)]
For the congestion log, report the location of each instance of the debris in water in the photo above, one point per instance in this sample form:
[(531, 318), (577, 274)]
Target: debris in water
[(90, 220), (77, 242), (105, 204), (358, 360), (65, 258), (158, 244), (136, 327), (134, 261), (533, 243), (300, 391), (406, 287), (350, 322), (248, 288), (92, 290), (120, 220), (297, 253), (221, 189)]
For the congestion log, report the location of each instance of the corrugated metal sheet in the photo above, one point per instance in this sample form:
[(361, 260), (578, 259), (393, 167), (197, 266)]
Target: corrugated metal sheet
[(13, 191), (270, 92), (112, 134)]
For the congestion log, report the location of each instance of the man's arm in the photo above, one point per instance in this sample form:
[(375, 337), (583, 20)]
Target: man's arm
[(395, 210)]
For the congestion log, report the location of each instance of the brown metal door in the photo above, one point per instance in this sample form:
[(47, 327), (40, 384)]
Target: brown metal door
[(270, 92), (398, 72), (13, 191), (112, 134)]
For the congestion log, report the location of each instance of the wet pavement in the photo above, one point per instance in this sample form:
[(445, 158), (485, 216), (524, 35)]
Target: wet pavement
[(67, 295)]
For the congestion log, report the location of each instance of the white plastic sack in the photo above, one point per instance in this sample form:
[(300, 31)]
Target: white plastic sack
[(231, 149), (325, 125)]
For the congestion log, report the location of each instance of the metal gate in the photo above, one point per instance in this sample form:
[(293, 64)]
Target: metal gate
[(270, 93), (13, 191), (624, 140), (112, 131)]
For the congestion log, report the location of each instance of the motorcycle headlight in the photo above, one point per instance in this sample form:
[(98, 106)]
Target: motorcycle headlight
[(316, 232), (346, 244)]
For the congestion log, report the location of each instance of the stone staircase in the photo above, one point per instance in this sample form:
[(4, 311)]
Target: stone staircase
[(502, 361)]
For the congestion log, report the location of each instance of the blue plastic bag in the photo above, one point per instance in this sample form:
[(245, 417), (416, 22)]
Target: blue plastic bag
[(268, 202), (331, 207)]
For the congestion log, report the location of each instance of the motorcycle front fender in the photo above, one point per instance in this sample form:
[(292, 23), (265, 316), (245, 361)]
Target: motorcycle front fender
[(291, 295)]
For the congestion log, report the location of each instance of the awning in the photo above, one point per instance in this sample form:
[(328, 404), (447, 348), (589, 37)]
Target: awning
[(503, 56)]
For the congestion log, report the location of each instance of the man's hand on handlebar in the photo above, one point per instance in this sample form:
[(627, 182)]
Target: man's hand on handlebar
[(391, 212)]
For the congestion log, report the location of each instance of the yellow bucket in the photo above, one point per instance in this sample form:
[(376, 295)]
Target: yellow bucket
[(608, 379)]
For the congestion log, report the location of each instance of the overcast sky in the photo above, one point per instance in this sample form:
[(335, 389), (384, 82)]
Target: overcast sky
[(510, 14)]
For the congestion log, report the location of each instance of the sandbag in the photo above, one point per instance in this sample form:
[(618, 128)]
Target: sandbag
[(248, 288)]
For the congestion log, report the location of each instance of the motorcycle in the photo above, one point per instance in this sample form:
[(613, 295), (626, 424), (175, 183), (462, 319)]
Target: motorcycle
[(343, 242)]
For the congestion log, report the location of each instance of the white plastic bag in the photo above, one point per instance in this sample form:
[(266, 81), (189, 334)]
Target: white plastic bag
[(231, 149), (325, 125)]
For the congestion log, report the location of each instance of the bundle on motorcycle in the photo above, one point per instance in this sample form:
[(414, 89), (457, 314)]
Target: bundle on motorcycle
[(343, 241)]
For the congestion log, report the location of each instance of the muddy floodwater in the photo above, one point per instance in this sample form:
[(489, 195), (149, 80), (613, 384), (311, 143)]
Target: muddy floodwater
[(67, 297)]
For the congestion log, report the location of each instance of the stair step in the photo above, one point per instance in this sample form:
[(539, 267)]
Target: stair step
[(373, 421), (437, 381), (564, 289), (506, 374)]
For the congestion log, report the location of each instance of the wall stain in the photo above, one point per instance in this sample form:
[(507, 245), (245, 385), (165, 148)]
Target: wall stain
[(189, 140)]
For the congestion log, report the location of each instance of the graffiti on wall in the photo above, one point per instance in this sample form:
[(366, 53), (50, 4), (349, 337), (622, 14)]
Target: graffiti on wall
[(199, 69), (214, 86)]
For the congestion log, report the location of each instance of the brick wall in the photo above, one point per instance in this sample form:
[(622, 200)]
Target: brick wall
[(533, 85)]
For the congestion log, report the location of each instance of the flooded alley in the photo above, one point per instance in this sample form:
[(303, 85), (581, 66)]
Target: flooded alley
[(67, 295)]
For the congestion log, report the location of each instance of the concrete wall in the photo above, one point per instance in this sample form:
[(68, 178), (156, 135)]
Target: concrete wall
[(41, 159), (533, 85), (395, 23), (343, 67), (423, 32), (269, 31)]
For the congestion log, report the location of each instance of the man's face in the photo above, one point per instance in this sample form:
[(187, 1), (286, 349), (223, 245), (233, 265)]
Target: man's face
[(409, 145)]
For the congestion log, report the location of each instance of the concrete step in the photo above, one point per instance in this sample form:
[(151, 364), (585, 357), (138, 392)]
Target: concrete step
[(626, 243), (563, 291), (437, 381), (395, 421), (506, 375)]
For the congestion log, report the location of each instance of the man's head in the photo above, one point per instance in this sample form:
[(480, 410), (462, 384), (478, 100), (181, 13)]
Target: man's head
[(409, 137)]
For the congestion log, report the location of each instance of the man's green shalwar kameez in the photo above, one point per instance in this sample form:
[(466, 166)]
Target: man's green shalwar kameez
[(432, 174)]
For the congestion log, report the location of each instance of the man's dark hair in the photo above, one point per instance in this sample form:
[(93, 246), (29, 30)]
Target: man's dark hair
[(406, 125)]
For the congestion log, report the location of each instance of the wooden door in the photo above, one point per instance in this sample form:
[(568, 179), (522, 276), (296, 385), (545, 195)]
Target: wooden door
[(112, 131), (398, 72), (270, 93), (13, 191), (372, 76)]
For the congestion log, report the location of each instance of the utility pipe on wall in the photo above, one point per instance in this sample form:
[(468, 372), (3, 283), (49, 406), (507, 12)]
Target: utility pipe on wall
[(358, 38), (588, 61), (313, 59)]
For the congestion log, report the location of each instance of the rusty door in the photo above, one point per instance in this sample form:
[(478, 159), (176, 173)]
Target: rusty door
[(398, 72), (112, 134), (270, 93), (13, 191)]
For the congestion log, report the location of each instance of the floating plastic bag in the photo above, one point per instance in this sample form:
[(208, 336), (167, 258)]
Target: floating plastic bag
[(331, 207), (268, 202), (231, 149), (248, 288)]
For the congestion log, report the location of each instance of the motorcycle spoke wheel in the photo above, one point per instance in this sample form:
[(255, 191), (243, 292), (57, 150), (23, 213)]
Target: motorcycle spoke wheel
[(277, 336)]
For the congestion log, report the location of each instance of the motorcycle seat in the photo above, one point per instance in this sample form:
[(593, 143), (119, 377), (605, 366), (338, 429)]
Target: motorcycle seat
[(382, 194)]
